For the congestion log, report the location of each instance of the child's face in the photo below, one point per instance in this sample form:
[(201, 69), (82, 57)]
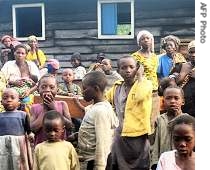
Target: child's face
[(184, 139), (170, 47), (88, 91), (173, 100), (106, 66), (145, 41), (75, 63), (127, 68), (68, 76), (54, 130), (20, 54), (48, 86), (10, 100)]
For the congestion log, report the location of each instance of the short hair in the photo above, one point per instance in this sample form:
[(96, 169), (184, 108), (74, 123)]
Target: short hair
[(96, 78), (125, 56), (183, 119), (76, 56), (52, 115), (47, 76), (21, 46), (174, 87)]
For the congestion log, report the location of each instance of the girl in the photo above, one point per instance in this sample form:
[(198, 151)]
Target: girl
[(47, 88), (15, 129), (183, 157), (146, 56), (79, 69), (35, 54)]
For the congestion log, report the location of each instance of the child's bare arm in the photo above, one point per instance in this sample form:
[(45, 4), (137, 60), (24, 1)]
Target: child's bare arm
[(67, 115), (77, 102), (36, 121), (140, 72)]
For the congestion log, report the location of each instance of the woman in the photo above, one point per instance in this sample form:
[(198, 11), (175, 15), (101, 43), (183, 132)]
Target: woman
[(146, 56), (35, 54), (18, 72)]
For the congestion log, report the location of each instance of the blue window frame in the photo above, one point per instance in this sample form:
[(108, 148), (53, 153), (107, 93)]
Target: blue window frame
[(115, 19)]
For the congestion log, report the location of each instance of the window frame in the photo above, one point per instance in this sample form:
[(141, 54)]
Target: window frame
[(15, 6), (100, 35)]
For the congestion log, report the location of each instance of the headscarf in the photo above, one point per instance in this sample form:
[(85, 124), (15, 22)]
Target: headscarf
[(145, 32), (173, 38), (14, 40), (54, 63), (191, 45), (32, 38)]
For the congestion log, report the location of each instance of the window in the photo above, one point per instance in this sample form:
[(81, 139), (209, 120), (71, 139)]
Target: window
[(28, 19), (115, 19)]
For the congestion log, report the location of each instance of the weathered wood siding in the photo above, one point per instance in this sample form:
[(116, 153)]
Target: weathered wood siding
[(72, 26)]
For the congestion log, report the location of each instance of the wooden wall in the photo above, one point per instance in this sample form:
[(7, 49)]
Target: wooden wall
[(71, 26)]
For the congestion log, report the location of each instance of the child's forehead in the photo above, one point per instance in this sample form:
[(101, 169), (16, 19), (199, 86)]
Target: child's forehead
[(10, 92)]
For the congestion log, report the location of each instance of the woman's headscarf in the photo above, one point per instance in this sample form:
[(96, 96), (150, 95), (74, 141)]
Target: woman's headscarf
[(145, 32)]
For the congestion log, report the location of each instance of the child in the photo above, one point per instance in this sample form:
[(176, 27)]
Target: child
[(67, 88), (132, 101), (15, 129), (183, 134), (173, 98), (47, 88), (96, 130), (3, 84), (55, 153), (79, 69), (164, 83)]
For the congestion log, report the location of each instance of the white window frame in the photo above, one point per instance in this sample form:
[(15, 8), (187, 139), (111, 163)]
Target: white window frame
[(100, 36), (14, 7)]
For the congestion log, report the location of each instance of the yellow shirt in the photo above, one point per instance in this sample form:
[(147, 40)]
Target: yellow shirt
[(33, 57), (137, 108), (55, 155), (150, 67)]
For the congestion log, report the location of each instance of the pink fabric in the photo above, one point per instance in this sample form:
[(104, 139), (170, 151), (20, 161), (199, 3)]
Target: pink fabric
[(38, 110), (167, 161), (54, 63)]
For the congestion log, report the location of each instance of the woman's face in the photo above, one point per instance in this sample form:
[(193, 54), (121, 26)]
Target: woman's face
[(7, 42), (33, 44), (170, 47), (20, 54)]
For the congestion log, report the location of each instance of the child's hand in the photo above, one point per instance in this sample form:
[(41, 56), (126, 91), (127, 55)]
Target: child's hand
[(31, 137), (49, 101)]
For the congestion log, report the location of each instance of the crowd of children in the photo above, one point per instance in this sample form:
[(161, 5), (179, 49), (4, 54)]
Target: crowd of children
[(138, 118)]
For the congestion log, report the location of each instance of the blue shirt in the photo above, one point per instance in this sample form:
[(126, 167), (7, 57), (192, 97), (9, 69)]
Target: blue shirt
[(165, 65)]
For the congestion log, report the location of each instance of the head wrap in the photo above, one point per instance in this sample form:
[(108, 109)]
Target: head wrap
[(173, 38), (32, 38), (145, 32), (4, 37), (191, 45), (54, 63)]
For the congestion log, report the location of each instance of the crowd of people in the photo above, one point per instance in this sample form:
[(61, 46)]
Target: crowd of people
[(141, 116)]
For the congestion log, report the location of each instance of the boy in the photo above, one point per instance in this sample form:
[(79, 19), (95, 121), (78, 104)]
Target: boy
[(173, 98), (132, 101), (96, 130), (55, 153), (67, 88)]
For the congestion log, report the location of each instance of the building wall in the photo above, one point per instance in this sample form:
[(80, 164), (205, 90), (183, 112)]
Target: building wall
[(71, 26)]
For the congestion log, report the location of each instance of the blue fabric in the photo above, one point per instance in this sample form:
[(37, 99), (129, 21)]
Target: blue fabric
[(165, 65), (12, 123), (109, 19)]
